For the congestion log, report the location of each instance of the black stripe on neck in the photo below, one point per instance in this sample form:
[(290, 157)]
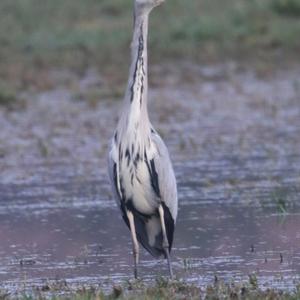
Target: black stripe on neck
[(139, 59)]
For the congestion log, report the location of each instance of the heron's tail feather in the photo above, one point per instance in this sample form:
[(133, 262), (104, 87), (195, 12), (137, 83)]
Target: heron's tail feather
[(149, 234), (149, 231)]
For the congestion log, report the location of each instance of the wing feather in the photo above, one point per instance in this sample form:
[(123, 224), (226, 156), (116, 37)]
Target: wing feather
[(113, 174), (166, 176)]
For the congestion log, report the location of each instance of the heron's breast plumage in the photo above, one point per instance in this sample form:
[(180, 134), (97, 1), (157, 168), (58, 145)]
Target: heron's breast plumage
[(135, 180)]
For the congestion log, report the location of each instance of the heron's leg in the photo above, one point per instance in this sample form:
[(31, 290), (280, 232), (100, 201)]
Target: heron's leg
[(134, 241), (165, 238)]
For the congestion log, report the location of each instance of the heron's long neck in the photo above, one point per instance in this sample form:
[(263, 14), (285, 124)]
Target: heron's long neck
[(137, 89)]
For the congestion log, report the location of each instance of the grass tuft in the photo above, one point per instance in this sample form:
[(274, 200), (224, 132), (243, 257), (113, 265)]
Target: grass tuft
[(279, 197), (7, 96), (289, 8), (163, 289)]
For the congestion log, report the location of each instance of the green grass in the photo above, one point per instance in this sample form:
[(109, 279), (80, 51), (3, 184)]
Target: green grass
[(76, 34), (7, 97), (287, 7), (162, 289)]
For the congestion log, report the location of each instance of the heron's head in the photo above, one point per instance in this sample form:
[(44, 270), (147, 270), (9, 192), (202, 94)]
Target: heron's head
[(145, 6)]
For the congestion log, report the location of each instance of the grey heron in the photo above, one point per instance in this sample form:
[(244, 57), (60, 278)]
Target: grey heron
[(140, 168)]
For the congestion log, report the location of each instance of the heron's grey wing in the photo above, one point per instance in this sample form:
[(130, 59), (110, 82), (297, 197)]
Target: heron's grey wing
[(166, 177), (167, 185)]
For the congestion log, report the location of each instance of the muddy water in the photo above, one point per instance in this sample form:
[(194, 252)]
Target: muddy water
[(234, 139)]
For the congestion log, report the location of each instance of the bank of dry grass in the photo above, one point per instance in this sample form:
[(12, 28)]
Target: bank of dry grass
[(162, 289), (74, 34)]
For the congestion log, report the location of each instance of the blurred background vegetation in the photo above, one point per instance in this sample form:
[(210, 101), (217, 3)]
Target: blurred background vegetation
[(76, 34)]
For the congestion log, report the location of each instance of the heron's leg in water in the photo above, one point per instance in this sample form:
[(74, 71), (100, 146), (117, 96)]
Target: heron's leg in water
[(165, 238), (134, 241)]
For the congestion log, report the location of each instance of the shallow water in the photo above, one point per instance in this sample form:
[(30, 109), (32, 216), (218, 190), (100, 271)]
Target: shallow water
[(235, 144), (86, 241)]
